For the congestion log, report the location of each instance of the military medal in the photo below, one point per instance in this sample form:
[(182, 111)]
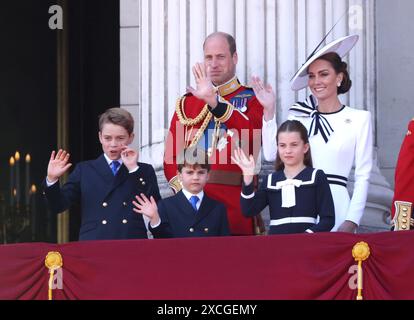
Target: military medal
[(222, 143), (240, 102)]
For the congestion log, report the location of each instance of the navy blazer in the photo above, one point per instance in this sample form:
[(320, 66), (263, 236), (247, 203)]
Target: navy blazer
[(179, 219), (105, 199), (313, 199)]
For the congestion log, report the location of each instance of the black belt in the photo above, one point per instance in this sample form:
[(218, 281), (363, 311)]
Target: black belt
[(339, 180)]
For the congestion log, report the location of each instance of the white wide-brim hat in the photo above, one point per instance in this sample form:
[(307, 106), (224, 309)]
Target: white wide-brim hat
[(341, 46)]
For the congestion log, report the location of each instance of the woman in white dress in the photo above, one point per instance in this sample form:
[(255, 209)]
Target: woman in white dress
[(339, 136)]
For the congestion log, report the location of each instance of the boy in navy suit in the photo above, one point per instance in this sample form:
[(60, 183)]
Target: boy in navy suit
[(190, 212), (104, 187)]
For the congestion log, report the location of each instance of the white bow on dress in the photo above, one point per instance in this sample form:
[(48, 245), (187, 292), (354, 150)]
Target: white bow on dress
[(288, 191)]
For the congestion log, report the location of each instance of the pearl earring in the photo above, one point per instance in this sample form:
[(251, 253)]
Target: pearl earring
[(339, 84)]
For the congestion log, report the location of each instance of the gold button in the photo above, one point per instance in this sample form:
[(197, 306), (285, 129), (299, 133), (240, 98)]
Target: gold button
[(404, 215), (206, 230), (104, 222), (404, 227), (404, 220), (125, 221), (404, 209), (104, 204), (191, 230)]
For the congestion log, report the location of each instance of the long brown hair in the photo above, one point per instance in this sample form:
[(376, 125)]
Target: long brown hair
[(293, 126)]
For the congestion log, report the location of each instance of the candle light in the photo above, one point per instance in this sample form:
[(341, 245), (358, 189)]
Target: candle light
[(27, 184), (12, 163), (33, 191), (17, 158)]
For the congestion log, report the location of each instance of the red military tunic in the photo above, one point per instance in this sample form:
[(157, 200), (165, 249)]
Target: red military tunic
[(237, 120), (404, 175)]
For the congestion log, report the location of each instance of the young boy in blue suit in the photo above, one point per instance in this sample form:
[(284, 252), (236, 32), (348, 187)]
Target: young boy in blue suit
[(106, 186), (190, 212)]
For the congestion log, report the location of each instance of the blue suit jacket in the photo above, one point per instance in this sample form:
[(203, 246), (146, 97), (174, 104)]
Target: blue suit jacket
[(105, 199), (179, 219)]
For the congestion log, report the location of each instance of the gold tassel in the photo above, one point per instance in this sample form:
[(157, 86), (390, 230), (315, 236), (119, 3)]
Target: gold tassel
[(360, 252), (53, 262)]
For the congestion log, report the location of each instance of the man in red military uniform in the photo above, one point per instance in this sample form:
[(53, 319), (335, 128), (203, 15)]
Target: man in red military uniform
[(402, 204), (218, 116)]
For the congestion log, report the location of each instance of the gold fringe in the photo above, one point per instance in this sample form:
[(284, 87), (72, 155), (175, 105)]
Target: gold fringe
[(179, 109), (204, 116)]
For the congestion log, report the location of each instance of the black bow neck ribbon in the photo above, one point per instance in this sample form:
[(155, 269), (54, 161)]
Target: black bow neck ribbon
[(319, 124)]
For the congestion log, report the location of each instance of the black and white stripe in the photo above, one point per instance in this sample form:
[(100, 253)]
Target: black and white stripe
[(319, 123), (338, 180)]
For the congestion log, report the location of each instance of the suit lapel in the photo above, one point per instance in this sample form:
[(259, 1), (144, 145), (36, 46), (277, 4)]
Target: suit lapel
[(121, 176), (102, 168), (185, 206), (205, 208)]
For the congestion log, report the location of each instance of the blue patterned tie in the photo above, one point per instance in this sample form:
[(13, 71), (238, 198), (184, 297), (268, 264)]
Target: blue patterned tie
[(114, 166), (194, 200)]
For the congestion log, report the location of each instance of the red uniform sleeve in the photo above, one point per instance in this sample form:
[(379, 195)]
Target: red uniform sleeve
[(173, 144), (404, 172)]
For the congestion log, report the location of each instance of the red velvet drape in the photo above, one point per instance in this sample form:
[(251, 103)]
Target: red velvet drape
[(308, 266)]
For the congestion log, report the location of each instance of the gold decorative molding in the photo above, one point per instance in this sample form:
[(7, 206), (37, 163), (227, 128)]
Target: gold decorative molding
[(402, 218)]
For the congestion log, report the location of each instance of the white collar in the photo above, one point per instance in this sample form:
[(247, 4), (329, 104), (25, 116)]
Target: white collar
[(109, 161), (188, 195)]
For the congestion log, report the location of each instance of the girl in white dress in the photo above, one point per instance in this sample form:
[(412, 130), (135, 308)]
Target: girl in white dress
[(339, 136)]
